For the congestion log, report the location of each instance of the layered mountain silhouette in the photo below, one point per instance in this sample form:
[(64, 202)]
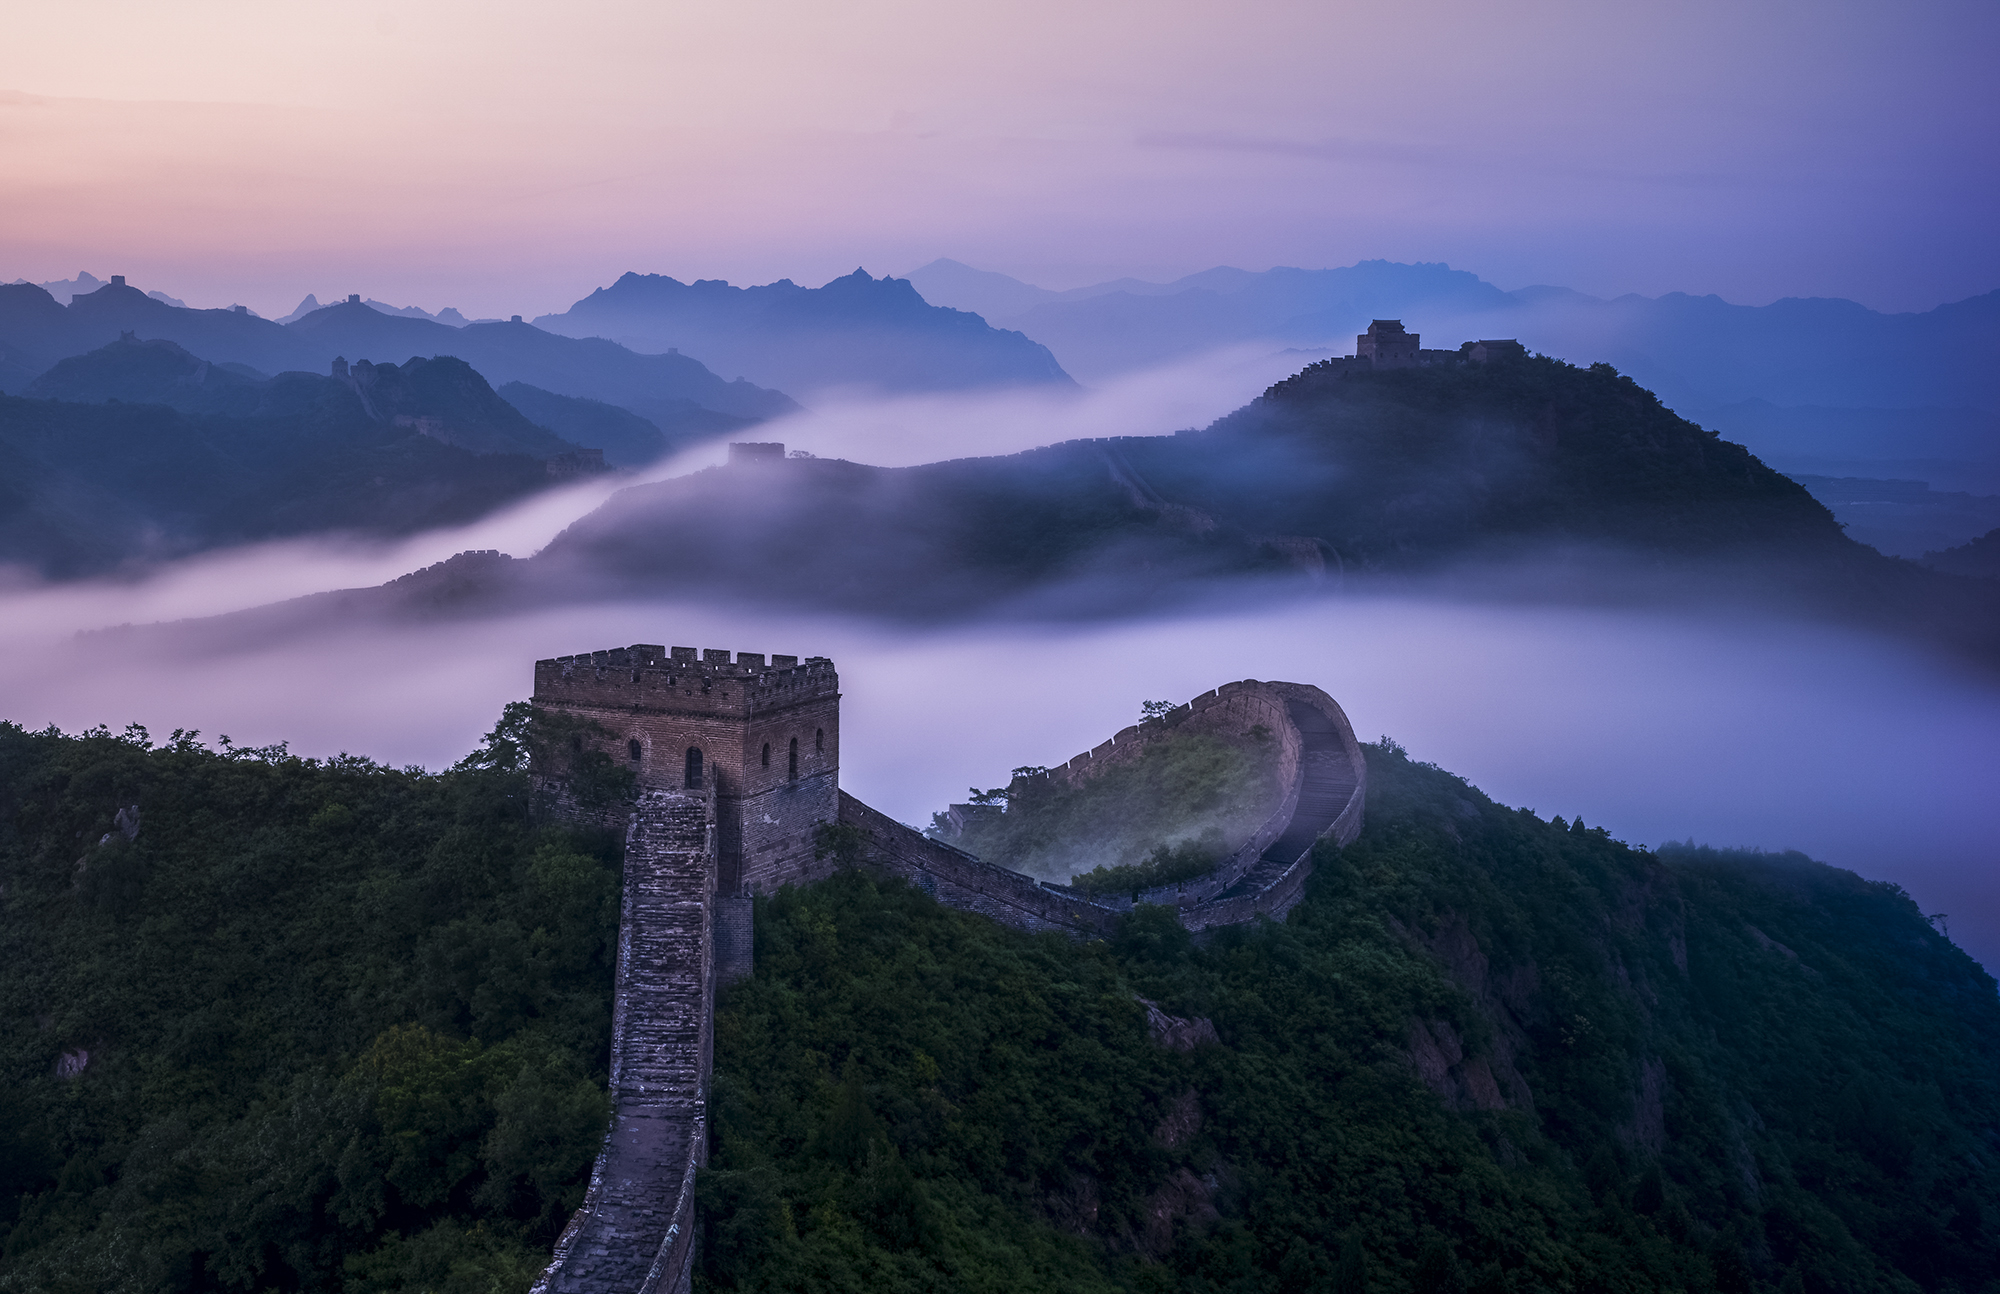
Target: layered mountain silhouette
[(626, 439), (142, 451), (1521, 477), (1697, 352), (36, 333), (856, 331), (1979, 558), (443, 398)]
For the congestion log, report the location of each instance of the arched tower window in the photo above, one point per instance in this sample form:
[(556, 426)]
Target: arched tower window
[(819, 741), (633, 748), (767, 754), (576, 743), (694, 768), (794, 774)]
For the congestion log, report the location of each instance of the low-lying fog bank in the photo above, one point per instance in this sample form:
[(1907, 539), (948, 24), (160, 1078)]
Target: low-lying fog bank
[(1733, 729), (1862, 753)]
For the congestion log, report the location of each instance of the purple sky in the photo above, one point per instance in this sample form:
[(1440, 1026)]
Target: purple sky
[(506, 158)]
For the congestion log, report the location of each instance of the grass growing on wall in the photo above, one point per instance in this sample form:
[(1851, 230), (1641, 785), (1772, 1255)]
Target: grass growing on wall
[(1184, 787)]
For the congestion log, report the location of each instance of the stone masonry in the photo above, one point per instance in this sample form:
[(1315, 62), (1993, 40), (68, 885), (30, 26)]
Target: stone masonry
[(737, 768), (764, 734), (635, 1230)]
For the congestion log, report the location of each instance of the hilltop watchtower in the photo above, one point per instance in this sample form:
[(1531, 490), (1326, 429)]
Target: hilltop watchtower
[(1386, 345), (762, 737)]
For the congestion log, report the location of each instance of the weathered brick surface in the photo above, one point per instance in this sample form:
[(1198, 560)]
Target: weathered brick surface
[(746, 717), (735, 937), (693, 855), (959, 880), (1333, 785), (635, 1231)]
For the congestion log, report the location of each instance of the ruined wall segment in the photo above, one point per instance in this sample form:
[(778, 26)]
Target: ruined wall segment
[(1332, 796), (1229, 712), (764, 734)]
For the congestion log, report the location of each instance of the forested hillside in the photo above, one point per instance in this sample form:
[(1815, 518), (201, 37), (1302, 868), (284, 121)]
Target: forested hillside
[(1528, 475), (270, 1023), (1488, 1052)]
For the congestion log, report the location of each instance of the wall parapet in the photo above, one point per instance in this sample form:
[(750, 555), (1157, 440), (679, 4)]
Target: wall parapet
[(960, 880)]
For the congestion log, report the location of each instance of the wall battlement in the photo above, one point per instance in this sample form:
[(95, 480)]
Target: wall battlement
[(737, 764), (763, 734), (680, 678)]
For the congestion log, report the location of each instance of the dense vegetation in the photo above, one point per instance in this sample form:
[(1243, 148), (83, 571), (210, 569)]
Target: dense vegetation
[(1978, 557), (316, 1025), (1153, 816), (329, 1025), (1488, 1052)]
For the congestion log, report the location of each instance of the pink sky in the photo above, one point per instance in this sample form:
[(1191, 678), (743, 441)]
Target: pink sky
[(507, 157)]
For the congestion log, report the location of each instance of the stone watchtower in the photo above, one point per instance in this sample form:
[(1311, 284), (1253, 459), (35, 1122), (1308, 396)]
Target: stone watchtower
[(762, 738), (1386, 345)]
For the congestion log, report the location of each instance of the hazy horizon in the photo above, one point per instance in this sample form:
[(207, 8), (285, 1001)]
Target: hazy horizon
[(226, 151)]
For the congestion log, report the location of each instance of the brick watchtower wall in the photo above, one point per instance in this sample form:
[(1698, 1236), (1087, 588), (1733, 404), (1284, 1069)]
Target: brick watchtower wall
[(763, 735)]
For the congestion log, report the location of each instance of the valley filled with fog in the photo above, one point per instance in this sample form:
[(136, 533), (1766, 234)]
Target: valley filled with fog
[(1733, 728)]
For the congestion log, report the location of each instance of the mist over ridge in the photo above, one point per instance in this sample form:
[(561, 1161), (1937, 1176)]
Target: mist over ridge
[(1462, 548)]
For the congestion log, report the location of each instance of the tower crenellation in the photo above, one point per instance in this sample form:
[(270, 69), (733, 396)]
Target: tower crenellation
[(737, 762), (762, 733)]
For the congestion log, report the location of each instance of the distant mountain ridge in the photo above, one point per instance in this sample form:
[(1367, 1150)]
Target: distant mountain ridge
[(1520, 477), (856, 331), (36, 333), (443, 398), (1696, 352), (159, 453), (627, 439)]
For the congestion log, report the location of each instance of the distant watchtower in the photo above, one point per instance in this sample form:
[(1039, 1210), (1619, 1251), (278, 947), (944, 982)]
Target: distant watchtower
[(1386, 345), (764, 738)]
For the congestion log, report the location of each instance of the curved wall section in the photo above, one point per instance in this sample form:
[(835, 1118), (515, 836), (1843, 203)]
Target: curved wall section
[(1327, 782)]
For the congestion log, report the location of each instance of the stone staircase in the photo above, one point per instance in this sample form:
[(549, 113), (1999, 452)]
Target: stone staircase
[(634, 1233), (1327, 780)]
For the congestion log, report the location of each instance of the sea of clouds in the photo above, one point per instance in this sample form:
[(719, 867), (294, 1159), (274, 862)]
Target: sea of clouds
[(1734, 729)]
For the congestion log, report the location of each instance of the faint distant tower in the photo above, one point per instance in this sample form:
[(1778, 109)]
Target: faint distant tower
[(340, 366), (354, 298), (117, 280), (1485, 351), (1386, 345)]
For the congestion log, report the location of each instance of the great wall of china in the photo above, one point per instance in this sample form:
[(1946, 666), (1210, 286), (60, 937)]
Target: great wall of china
[(736, 764)]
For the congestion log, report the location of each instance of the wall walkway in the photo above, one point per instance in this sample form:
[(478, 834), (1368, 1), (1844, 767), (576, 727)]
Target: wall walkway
[(634, 1233)]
